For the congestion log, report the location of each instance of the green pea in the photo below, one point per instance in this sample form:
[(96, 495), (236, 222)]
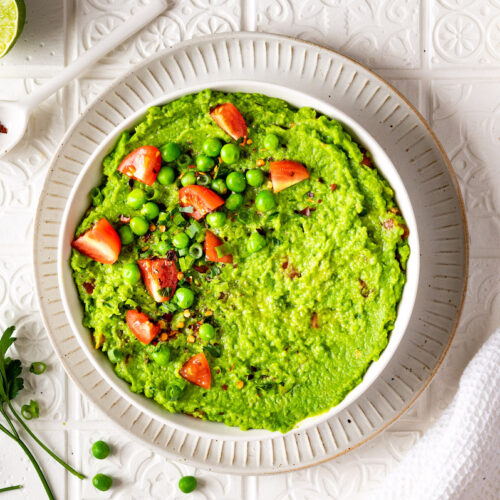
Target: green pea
[(115, 355), (212, 147), (180, 240), (139, 225), (234, 201), (219, 186), (187, 484), (184, 297), (255, 177), (131, 273), (100, 450), (230, 153), (126, 235), (256, 242), (204, 163), (265, 201), (207, 331), (102, 482), (161, 355), (271, 141), (188, 179), (162, 247), (150, 210), (173, 392), (170, 152), (166, 175), (236, 182), (216, 219), (136, 198)]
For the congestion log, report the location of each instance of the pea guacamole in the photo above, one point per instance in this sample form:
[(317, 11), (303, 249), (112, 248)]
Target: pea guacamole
[(242, 260)]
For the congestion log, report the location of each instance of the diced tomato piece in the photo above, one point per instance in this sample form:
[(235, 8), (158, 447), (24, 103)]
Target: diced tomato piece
[(142, 164), (159, 276), (202, 199), (142, 327), (286, 173), (101, 242), (230, 120), (197, 371), (211, 243)]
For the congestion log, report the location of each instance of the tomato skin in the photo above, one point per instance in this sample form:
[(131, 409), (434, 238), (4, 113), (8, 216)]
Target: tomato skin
[(202, 199), (229, 119), (101, 243), (142, 164), (197, 371), (158, 274), (286, 173), (211, 243), (141, 326)]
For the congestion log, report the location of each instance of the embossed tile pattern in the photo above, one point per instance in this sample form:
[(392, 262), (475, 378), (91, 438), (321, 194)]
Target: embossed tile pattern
[(464, 114)]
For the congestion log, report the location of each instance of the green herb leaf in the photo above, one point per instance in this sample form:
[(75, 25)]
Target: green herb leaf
[(214, 350), (14, 382), (165, 291)]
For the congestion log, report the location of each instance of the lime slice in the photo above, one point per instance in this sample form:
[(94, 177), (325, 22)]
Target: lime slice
[(12, 16)]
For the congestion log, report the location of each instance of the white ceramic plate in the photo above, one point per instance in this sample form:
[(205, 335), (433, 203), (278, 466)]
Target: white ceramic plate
[(392, 131)]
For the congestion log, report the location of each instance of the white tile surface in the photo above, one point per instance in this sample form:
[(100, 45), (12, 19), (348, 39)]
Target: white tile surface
[(443, 55)]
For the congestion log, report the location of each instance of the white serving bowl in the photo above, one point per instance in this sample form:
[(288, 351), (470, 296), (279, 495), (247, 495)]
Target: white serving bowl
[(91, 176)]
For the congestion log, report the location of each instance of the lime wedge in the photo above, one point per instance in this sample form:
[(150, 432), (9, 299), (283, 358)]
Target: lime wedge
[(12, 16)]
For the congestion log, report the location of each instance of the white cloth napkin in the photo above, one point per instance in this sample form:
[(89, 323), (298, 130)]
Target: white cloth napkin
[(459, 457)]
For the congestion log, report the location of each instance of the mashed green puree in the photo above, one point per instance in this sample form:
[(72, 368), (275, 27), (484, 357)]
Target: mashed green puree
[(297, 323)]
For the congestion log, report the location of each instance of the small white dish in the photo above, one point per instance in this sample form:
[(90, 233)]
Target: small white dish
[(91, 176)]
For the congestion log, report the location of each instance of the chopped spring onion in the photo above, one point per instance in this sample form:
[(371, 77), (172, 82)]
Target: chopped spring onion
[(186, 262), (31, 410), (222, 250), (193, 228), (179, 220), (182, 252), (196, 251), (38, 367), (244, 216), (184, 160), (203, 180), (186, 210)]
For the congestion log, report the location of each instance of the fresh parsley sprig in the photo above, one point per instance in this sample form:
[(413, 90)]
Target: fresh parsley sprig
[(11, 384)]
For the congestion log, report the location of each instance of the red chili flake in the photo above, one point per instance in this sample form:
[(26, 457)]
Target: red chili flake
[(310, 194), (294, 274), (89, 287), (333, 187), (364, 288), (394, 210), (125, 219), (232, 367), (284, 265), (201, 269), (217, 370), (224, 387), (168, 317), (222, 296), (406, 231), (388, 224), (3, 129), (320, 179), (367, 161), (261, 231), (306, 211), (314, 321), (171, 255)]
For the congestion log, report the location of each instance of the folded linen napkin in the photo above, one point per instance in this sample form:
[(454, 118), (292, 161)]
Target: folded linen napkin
[(459, 457)]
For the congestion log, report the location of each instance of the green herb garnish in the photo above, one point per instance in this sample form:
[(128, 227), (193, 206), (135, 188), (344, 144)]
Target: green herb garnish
[(214, 349), (165, 291), (11, 384), (11, 488)]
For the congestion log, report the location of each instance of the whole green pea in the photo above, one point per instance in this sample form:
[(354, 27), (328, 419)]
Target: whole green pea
[(212, 146), (136, 198), (184, 297), (187, 484), (170, 152), (255, 177), (234, 201), (204, 163), (126, 235), (216, 219), (102, 482), (219, 186), (188, 179), (271, 142), (139, 225), (150, 210), (207, 331), (236, 182), (100, 450), (131, 273), (180, 240), (265, 201), (161, 355), (166, 175), (230, 153)]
